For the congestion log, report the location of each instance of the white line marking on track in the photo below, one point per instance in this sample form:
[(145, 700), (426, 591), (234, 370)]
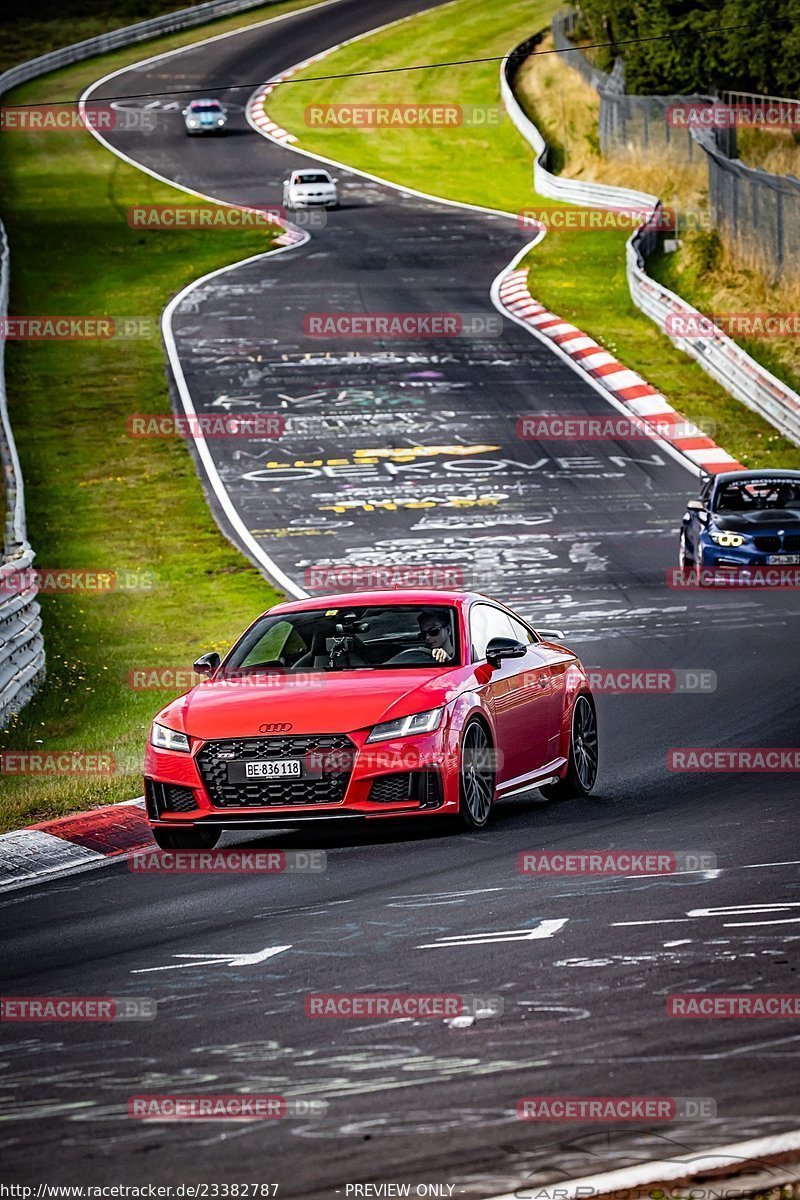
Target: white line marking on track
[(741, 924), (217, 960), (544, 929)]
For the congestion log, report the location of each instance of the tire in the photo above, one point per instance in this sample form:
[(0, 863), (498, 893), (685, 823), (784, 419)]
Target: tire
[(582, 759), (476, 777), (186, 839)]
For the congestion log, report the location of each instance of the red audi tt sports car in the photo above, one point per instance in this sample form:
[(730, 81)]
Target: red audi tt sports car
[(373, 704)]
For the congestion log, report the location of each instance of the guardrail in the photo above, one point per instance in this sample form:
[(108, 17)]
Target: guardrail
[(718, 355), (22, 655), (128, 35), (21, 645)]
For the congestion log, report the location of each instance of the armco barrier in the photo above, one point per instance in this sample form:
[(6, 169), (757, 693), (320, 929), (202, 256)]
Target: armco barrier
[(21, 646), (128, 35), (22, 660), (718, 355)]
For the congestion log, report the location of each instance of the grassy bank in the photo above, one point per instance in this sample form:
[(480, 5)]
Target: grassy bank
[(97, 498), (579, 274)]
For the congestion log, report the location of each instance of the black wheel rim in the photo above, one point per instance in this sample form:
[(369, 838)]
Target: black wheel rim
[(584, 743), (476, 773)]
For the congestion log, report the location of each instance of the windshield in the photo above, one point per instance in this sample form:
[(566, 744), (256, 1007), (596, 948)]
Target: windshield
[(346, 639), (317, 177), (753, 495), (205, 106)]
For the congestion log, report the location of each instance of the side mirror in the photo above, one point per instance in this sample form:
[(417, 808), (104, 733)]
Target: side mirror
[(551, 635), (207, 664), (696, 506), (502, 647)]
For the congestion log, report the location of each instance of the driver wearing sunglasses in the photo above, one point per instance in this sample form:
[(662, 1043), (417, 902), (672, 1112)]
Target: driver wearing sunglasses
[(436, 637)]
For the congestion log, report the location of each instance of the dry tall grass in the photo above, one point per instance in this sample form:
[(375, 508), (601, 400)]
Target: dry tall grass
[(733, 277)]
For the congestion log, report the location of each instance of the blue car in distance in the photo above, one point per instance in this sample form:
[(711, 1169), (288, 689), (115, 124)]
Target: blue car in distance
[(742, 519)]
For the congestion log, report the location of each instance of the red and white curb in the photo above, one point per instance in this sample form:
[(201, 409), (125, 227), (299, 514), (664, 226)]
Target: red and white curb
[(77, 842), (711, 1167), (255, 111), (624, 385)]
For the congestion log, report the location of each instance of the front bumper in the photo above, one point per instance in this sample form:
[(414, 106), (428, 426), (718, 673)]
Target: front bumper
[(312, 202), (738, 558), (398, 778)]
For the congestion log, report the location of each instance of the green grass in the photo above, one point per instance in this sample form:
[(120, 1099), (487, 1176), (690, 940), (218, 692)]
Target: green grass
[(580, 275), (97, 498)]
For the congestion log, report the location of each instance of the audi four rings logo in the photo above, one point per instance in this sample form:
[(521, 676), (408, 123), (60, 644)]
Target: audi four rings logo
[(276, 727)]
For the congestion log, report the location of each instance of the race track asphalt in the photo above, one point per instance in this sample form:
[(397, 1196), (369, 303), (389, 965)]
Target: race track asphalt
[(577, 534)]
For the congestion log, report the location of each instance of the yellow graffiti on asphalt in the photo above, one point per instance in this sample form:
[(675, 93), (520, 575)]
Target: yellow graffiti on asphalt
[(395, 454), (395, 505)]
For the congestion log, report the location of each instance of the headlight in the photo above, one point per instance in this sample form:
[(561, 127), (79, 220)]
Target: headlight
[(192, 124), (724, 537), (168, 739), (424, 722), (221, 121)]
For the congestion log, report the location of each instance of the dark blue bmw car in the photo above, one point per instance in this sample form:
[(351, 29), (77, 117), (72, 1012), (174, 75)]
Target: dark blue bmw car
[(743, 519)]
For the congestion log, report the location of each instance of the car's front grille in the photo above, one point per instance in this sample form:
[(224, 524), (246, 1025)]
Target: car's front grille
[(178, 799), (791, 543), (768, 544), (391, 789), (167, 797), (326, 765), (422, 787)]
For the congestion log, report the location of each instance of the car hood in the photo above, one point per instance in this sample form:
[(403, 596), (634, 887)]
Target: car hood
[(758, 522), (313, 187), (324, 703)]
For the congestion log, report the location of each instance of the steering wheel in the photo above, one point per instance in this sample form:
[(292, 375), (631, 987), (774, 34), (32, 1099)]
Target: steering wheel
[(416, 656)]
